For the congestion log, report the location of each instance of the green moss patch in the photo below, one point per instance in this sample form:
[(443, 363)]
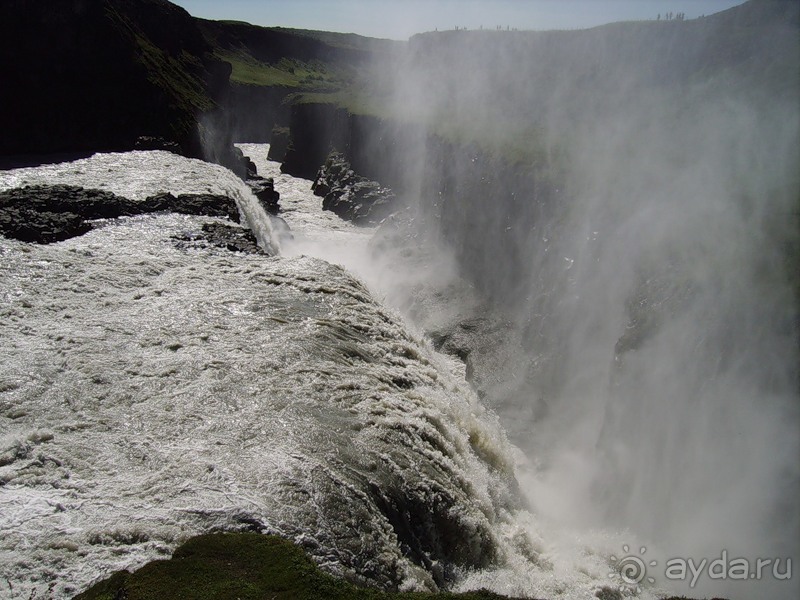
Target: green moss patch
[(243, 566)]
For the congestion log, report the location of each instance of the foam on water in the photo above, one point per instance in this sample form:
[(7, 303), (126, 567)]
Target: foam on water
[(137, 175), (150, 392), (395, 276), (316, 232)]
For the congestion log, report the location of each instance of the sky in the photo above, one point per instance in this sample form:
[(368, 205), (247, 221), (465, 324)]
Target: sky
[(399, 19)]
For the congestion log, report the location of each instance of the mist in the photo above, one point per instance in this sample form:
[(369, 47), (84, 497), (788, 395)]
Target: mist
[(627, 198)]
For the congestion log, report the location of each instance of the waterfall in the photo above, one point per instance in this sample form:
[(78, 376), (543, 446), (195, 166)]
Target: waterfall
[(257, 218), (152, 391), (137, 175)]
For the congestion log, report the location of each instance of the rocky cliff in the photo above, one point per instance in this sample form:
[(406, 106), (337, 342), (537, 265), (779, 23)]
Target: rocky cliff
[(90, 76), (477, 199), (274, 66)]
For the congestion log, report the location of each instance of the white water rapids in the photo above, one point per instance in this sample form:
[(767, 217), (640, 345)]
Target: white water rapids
[(150, 392)]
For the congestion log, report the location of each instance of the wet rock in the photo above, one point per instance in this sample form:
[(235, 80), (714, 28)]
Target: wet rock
[(208, 205), (52, 213), (251, 168), (264, 190), (244, 164), (46, 214), (278, 142), (89, 204), (45, 227), (351, 196), (230, 237), (233, 158)]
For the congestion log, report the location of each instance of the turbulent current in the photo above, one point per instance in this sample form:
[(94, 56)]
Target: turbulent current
[(150, 391)]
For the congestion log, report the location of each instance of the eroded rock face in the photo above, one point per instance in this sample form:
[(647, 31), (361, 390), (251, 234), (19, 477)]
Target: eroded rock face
[(263, 188), (315, 128), (278, 143), (351, 196), (51, 213)]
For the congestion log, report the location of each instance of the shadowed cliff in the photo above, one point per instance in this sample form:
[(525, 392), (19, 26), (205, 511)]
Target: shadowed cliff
[(96, 75)]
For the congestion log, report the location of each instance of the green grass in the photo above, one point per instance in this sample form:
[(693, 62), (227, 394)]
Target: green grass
[(242, 566), (249, 71), (288, 73), (175, 75), (348, 41), (172, 75), (358, 101)]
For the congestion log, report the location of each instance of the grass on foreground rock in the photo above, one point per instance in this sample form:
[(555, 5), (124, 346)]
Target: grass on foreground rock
[(245, 566)]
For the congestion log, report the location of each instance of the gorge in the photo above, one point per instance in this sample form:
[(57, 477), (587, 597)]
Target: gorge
[(573, 341)]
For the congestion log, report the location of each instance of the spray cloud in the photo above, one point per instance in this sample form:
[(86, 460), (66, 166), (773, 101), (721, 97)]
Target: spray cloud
[(628, 197)]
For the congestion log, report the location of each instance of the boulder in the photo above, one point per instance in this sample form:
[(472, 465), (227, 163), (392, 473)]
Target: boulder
[(349, 195)]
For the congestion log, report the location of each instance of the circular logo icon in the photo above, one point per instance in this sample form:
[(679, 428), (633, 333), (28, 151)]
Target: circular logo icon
[(631, 569)]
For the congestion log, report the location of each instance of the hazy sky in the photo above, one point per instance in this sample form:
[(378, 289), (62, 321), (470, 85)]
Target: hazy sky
[(400, 19)]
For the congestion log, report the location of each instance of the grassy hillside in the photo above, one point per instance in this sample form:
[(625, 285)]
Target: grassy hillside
[(293, 58), (275, 67), (287, 73)]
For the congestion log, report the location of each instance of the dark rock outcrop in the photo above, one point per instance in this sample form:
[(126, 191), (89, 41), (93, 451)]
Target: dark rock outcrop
[(208, 205), (316, 128), (234, 159), (256, 110), (349, 195), (51, 213), (264, 189), (230, 237), (43, 227), (278, 142)]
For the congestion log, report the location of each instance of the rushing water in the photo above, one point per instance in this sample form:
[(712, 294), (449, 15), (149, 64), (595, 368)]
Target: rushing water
[(136, 175), (150, 391)]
